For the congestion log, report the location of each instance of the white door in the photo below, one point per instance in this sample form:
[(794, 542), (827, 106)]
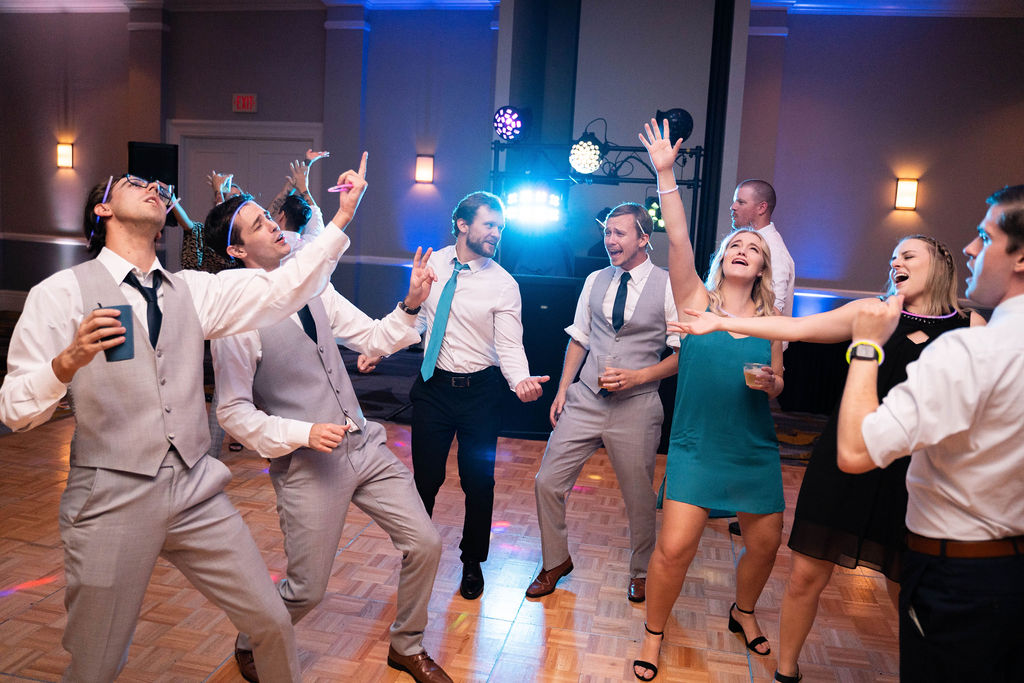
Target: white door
[(257, 153)]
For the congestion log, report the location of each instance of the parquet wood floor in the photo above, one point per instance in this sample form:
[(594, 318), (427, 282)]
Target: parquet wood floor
[(585, 631)]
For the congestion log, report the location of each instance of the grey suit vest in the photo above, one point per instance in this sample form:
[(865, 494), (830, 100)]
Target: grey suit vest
[(640, 341), (300, 380), (129, 413)]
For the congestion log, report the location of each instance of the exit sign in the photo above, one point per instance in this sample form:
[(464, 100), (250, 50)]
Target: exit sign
[(244, 103)]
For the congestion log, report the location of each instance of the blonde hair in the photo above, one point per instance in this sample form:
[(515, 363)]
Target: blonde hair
[(940, 287), (761, 292)]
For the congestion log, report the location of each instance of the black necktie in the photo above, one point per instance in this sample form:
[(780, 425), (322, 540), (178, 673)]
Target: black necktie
[(619, 307), (153, 315), (307, 322)]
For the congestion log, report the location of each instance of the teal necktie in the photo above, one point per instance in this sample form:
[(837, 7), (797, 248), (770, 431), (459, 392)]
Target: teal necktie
[(444, 307)]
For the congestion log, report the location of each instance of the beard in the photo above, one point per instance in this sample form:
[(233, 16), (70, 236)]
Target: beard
[(481, 247)]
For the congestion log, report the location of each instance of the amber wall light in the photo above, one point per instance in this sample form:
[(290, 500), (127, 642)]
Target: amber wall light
[(424, 168), (65, 155), (906, 194)]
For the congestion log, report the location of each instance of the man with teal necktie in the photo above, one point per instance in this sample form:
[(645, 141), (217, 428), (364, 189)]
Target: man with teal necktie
[(474, 335)]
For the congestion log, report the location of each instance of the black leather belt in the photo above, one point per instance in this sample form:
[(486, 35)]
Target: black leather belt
[(938, 547), (461, 381)]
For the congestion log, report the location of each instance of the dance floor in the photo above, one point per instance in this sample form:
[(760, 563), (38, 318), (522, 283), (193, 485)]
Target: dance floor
[(585, 631)]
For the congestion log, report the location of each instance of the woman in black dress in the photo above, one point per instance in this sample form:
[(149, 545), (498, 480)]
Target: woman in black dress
[(854, 519)]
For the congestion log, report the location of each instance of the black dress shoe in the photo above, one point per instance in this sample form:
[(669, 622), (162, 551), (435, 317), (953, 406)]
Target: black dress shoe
[(734, 529), (472, 581), (246, 665)]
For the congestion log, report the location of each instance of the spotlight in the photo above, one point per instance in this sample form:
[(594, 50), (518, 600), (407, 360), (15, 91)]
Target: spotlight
[(680, 123), (586, 153), (654, 211), (510, 123), (533, 206)]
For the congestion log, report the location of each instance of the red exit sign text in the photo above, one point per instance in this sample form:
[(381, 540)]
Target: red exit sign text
[(244, 103)]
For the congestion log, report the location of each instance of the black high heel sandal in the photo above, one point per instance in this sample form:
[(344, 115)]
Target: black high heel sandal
[(648, 665), (735, 627), (783, 678)]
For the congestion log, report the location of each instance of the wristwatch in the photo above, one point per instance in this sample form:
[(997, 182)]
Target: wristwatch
[(406, 309), (864, 352)]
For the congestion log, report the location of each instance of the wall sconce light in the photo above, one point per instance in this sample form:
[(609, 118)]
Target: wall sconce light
[(906, 194), (424, 168), (65, 155)]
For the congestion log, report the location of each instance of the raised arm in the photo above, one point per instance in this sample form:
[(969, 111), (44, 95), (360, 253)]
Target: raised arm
[(821, 328), (686, 284)]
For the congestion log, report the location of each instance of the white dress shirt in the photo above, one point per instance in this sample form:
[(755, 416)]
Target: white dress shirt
[(783, 269), (236, 358), (485, 325), (580, 328), (960, 413), (227, 303)]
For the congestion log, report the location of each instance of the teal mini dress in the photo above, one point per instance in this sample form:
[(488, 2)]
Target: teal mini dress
[(723, 452)]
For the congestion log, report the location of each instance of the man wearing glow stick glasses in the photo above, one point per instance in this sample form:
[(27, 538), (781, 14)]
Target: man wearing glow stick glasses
[(283, 391), (620, 316), (140, 485)]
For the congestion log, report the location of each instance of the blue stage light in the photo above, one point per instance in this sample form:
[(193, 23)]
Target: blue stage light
[(536, 207)]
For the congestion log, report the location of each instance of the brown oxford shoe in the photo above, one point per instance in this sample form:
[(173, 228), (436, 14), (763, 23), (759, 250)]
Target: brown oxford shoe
[(246, 665), (637, 591), (420, 666), (545, 582)]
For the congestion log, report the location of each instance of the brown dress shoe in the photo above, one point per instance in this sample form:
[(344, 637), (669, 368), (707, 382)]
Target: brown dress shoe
[(246, 665), (419, 666), (545, 582), (637, 591)]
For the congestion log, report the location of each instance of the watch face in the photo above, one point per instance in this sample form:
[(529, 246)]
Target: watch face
[(865, 352)]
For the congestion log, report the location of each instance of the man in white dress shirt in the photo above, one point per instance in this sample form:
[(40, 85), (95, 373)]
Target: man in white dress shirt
[(473, 337), (283, 391), (140, 484), (622, 312), (752, 205), (960, 414)]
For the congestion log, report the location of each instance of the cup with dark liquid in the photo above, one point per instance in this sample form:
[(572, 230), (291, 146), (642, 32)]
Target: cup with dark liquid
[(751, 372), (603, 363)]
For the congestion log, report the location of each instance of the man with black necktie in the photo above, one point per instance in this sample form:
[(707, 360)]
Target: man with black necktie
[(622, 313), (140, 485), (283, 391), (474, 336)]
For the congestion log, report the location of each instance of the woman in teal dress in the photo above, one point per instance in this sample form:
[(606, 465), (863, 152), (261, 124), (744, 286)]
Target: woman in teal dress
[(723, 452)]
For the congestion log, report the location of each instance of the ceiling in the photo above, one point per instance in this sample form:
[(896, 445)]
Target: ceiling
[(941, 8)]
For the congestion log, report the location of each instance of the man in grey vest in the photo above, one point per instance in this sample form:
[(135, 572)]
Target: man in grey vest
[(622, 314), (283, 391), (140, 485)]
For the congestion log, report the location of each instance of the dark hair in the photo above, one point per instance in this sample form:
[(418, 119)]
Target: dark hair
[(470, 204), (763, 190), (297, 212), (219, 220), (95, 227), (639, 213), (1011, 200)]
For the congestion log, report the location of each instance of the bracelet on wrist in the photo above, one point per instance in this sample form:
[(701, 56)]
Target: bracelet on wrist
[(871, 351), (669, 190)]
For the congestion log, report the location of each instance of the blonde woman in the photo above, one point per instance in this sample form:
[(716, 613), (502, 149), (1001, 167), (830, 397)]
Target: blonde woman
[(723, 452), (853, 520)]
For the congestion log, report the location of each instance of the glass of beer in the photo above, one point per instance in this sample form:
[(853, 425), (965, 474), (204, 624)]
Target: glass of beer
[(751, 371), (603, 363)]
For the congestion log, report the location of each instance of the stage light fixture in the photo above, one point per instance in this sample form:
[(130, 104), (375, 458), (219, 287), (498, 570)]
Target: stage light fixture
[(510, 123), (586, 154), (533, 206), (654, 211), (680, 123)]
